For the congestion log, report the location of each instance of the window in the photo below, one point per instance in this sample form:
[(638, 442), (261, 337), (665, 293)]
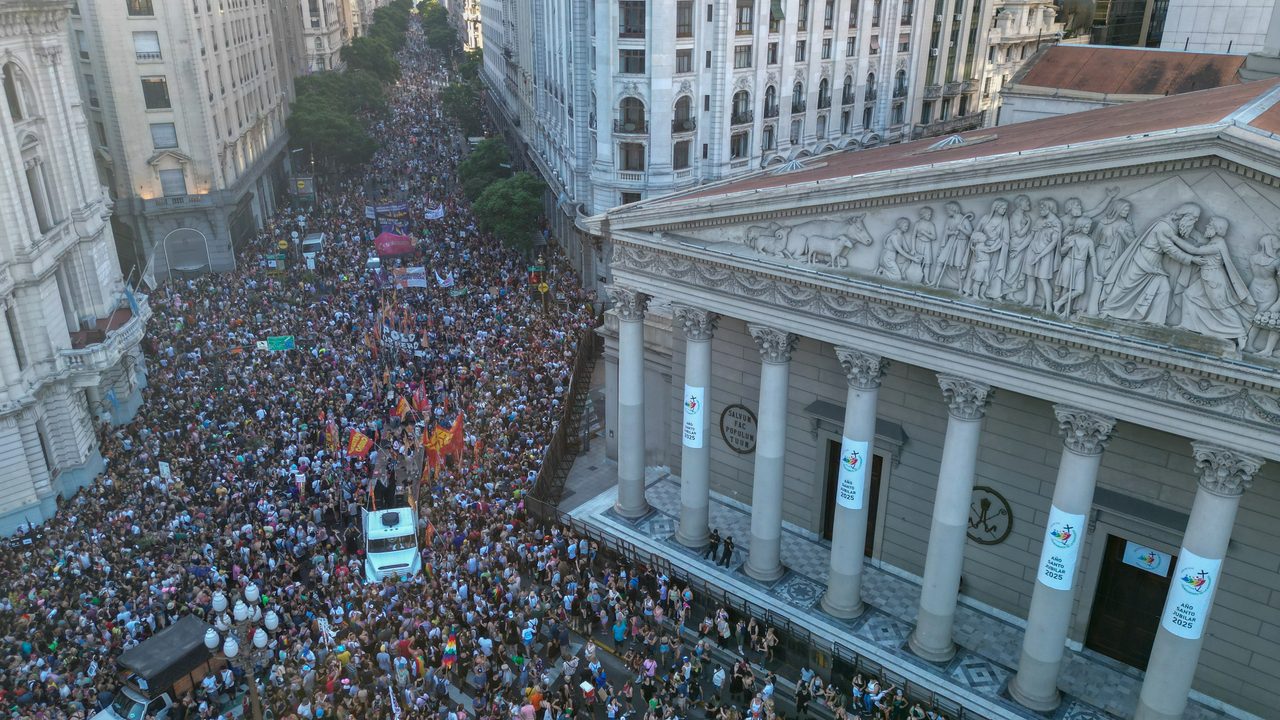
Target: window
[(91, 90), (802, 16), (631, 62), (826, 48), (907, 13), (631, 18), (773, 53), (846, 93), (11, 318), (704, 151), (767, 140), (39, 196), (851, 47), (770, 102), (146, 45), (797, 97), (164, 135), (82, 45), (631, 117), (821, 131), (155, 92), (139, 7), (13, 91), (684, 19), (680, 155), (684, 60), (871, 87), (853, 14), (800, 48), (875, 13), (866, 117), (829, 15), (101, 132), (706, 103), (630, 197), (845, 119), (824, 94), (742, 56), (900, 84), (742, 23), (631, 156), (899, 113), (741, 107), (875, 44), (682, 120), (796, 127), (173, 183), (739, 145), (926, 113), (904, 42), (707, 60)]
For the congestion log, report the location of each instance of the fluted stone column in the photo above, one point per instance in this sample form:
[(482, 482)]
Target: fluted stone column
[(695, 447), (966, 406), (1224, 476), (864, 371), (1043, 644), (630, 306), (764, 559)]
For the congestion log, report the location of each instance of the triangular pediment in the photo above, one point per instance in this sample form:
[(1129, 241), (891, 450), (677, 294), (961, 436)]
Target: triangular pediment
[(160, 156)]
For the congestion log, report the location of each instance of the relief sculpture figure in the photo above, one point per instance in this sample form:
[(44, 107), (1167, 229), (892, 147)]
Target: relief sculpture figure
[(832, 238), (954, 253), (836, 249), (897, 255), (926, 244), (1217, 300), (1078, 267), (989, 254), (1137, 286), (1114, 233), (1020, 221), (1265, 289), (1041, 258)]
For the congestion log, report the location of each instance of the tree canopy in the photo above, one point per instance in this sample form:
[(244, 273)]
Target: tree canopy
[(371, 55), (486, 164), (510, 209), (463, 102), (440, 34)]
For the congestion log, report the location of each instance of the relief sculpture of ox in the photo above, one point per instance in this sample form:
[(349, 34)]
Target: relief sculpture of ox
[(825, 241)]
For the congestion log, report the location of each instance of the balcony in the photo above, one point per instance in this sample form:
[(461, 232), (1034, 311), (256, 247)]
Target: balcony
[(631, 176), (149, 56), (741, 117), (684, 125), (100, 348), (176, 202), (961, 123), (953, 88), (932, 92), (630, 127), (771, 111), (797, 107)]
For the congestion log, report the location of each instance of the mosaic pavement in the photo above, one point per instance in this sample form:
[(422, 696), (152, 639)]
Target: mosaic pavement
[(1095, 688)]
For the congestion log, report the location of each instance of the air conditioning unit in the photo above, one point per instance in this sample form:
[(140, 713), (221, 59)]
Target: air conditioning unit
[(933, 52), (955, 18), (937, 18)]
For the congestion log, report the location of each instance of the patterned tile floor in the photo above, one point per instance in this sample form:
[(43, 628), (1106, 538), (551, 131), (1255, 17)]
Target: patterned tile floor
[(1095, 688)]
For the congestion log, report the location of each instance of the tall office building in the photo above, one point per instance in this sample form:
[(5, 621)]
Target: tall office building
[(187, 103), (617, 100), (69, 336), (327, 28)]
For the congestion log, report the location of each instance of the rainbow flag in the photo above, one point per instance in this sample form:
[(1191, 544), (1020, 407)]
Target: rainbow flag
[(450, 651)]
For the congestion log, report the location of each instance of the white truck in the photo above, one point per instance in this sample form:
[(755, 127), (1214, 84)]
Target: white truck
[(390, 543)]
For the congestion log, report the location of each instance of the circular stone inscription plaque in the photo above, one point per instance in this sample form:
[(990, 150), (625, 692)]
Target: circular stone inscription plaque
[(738, 428)]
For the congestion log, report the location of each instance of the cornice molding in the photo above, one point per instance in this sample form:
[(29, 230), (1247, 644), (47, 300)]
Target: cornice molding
[(1016, 343)]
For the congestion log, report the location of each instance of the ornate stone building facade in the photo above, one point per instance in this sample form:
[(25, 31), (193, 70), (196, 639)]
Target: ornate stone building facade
[(69, 337), (1056, 339)]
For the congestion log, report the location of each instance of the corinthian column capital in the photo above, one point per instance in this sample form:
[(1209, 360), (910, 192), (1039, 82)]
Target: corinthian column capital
[(966, 399), (862, 370), (1084, 432), (697, 324), (775, 345), (1224, 471), (630, 304)]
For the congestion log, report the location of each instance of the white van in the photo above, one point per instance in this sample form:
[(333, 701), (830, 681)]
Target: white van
[(311, 246), (390, 543)]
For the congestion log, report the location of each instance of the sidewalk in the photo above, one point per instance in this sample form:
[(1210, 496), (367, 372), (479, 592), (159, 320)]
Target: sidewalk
[(1094, 687)]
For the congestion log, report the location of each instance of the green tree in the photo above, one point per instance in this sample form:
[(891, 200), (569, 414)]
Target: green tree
[(486, 164), (510, 209), (472, 62), (463, 102), (352, 91), (335, 138), (367, 53)]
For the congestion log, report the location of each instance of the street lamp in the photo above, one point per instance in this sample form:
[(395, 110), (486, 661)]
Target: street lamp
[(242, 628)]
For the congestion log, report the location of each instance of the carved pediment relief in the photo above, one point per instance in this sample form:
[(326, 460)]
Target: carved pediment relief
[(1196, 251)]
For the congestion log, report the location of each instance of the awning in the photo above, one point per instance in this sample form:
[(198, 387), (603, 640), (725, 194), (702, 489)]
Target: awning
[(775, 10)]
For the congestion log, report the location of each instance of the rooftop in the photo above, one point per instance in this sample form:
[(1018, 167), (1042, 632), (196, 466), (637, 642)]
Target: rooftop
[(1108, 70), (1204, 108)]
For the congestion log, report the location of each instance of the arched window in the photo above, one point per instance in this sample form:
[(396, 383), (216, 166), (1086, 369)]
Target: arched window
[(824, 94), (822, 127), (871, 87), (741, 102), (683, 118), (797, 97), (900, 84), (631, 115), (14, 92), (846, 94), (771, 101)]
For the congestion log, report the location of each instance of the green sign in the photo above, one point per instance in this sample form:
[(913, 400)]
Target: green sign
[(280, 342)]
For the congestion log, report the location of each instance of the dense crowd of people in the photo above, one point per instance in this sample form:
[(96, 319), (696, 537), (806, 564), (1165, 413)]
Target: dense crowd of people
[(259, 493)]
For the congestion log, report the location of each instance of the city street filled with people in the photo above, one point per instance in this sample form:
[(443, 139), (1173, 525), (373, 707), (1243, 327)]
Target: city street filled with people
[(510, 619)]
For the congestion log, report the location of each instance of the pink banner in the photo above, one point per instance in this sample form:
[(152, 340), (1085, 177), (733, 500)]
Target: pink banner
[(392, 244)]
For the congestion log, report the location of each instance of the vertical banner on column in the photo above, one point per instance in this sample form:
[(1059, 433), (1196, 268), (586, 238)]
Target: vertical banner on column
[(694, 414), (851, 481), (1190, 595), (1061, 549)]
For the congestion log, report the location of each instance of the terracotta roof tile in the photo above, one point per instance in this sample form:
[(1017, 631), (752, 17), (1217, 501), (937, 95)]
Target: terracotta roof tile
[(1179, 111), (1130, 71)]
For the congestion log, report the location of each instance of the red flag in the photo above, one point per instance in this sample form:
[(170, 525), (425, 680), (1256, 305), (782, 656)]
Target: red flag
[(457, 438), (401, 409), (420, 400), (359, 444)]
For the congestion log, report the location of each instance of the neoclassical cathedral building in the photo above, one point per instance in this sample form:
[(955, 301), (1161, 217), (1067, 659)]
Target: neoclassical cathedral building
[(1032, 368)]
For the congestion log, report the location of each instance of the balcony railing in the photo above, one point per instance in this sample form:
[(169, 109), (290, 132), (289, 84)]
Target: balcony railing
[(741, 117), (100, 349), (824, 103), (961, 123), (953, 88), (630, 127), (148, 56), (932, 92), (684, 125), (797, 107), (631, 175), (771, 111)]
